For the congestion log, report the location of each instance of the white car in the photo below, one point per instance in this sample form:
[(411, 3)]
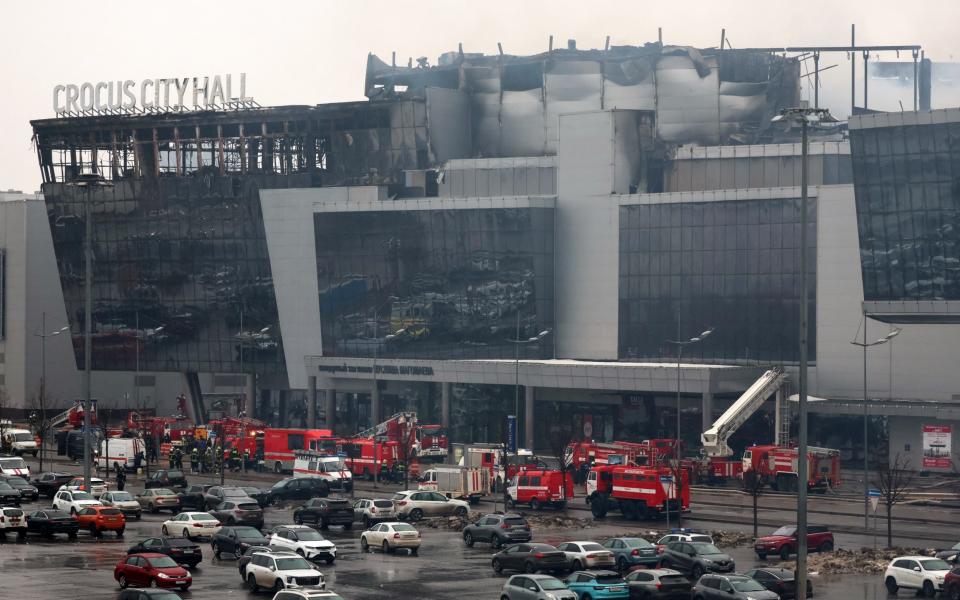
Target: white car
[(390, 536), (13, 520), (97, 486), (191, 525), (370, 511), (688, 536), (587, 555), (124, 501), (305, 541), (922, 573), (74, 502), (281, 570), (14, 465), (307, 594), (417, 504)]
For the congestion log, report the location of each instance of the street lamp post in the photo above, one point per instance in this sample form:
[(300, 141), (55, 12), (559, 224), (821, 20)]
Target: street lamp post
[(866, 466), (517, 342), (43, 335), (804, 116)]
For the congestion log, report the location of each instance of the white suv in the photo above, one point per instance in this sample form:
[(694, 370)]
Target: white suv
[(923, 573), (281, 570), (305, 541), (12, 520), (74, 502), (97, 485), (417, 504), (370, 511)]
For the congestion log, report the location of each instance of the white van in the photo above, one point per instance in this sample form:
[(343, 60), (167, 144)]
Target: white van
[(21, 441), (331, 469), (14, 465), (122, 450)]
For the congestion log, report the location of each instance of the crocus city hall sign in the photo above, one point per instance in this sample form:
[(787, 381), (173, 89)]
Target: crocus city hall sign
[(173, 94)]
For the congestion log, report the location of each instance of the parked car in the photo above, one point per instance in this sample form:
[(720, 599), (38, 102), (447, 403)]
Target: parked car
[(369, 511), (390, 536), (780, 581), (125, 501), (921, 573), (587, 555), (631, 551), (239, 512), (77, 484), (13, 520), (183, 552), (696, 558), (236, 539), (529, 558), (535, 587), (74, 502), (13, 465), (27, 491), (151, 570), (192, 497), (281, 570), (157, 499), (148, 594), (325, 512), (49, 483), (244, 559), (261, 496), (951, 554), (305, 541), (191, 525), (683, 535), (298, 488), (307, 594), (216, 494), (48, 522), (9, 495), (951, 584), (97, 519), (657, 584), (498, 529), (415, 505), (784, 541), (730, 587), (166, 478), (588, 585)]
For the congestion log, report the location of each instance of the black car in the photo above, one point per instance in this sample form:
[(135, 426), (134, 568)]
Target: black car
[(696, 558), (72, 443), (48, 484), (166, 478), (49, 522), (298, 488), (244, 560), (261, 496), (10, 495), (236, 540), (243, 512), (216, 494), (325, 512), (147, 594), (192, 498), (780, 581), (530, 558), (183, 551), (498, 529), (27, 491)]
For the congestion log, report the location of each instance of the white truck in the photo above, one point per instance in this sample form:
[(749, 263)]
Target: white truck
[(330, 468), (20, 441), (454, 481), (121, 450)]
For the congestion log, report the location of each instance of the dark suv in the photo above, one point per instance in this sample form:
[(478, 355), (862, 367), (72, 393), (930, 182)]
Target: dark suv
[(298, 488), (784, 541), (325, 512), (236, 540), (696, 558), (731, 587), (166, 478), (193, 497), (498, 529), (48, 484)]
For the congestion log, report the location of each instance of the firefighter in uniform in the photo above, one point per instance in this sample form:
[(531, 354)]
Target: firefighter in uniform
[(246, 458), (234, 459), (384, 471), (399, 470), (193, 459)]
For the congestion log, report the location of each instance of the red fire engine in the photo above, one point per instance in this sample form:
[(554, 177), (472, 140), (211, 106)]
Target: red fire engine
[(637, 492), (365, 456), (539, 488), (777, 467), (501, 470), (280, 445), (432, 442)]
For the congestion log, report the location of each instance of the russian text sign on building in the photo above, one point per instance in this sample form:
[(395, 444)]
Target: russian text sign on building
[(167, 94)]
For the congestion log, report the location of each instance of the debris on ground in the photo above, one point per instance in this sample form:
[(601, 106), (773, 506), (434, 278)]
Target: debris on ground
[(862, 561), (729, 539)]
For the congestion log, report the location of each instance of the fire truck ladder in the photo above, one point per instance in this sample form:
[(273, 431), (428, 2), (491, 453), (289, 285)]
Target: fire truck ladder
[(381, 428), (715, 439)]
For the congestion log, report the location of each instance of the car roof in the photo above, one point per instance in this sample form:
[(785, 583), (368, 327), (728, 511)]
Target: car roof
[(660, 572), (598, 573), (581, 542), (396, 523), (300, 527), (775, 571), (913, 557), (279, 553), (148, 554), (535, 576)]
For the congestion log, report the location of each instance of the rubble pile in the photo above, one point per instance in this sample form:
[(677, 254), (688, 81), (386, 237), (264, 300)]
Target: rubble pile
[(728, 539), (863, 561), (555, 521)]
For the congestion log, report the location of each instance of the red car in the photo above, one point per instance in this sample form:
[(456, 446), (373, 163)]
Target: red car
[(98, 519), (151, 569), (951, 584), (783, 541)]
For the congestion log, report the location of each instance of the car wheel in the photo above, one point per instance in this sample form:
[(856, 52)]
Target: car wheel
[(184, 534), (120, 532), (73, 511), (347, 526), (323, 524), (826, 547), (928, 590), (497, 542), (534, 504), (122, 580), (300, 552), (462, 512), (330, 560), (277, 584), (955, 593), (364, 546), (386, 547), (762, 555), (529, 567), (696, 572), (622, 564), (72, 535), (152, 583), (784, 552), (468, 539), (586, 597), (165, 531), (252, 584), (577, 565), (510, 503), (94, 532), (298, 519), (154, 509), (497, 566), (416, 514), (891, 584), (216, 551), (277, 468), (414, 551)]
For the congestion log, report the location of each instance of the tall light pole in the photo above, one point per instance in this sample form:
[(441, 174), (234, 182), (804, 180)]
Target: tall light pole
[(681, 344), (86, 182), (804, 116), (517, 342), (43, 335), (866, 466)]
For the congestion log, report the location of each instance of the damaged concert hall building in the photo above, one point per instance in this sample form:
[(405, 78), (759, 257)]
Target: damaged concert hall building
[(489, 236)]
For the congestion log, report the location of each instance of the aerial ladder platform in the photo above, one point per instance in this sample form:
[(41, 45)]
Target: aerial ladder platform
[(715, 440)]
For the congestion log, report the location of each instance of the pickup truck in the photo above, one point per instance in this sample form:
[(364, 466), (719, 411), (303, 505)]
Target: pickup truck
[(783, 541)]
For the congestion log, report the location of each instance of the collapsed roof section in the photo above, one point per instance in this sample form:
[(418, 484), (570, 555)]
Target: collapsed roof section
[(705, 97)]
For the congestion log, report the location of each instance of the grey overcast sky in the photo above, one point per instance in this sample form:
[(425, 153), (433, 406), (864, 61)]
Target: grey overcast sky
[(315, 52)]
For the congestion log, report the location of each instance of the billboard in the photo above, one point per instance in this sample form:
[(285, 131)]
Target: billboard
[(937, 446)]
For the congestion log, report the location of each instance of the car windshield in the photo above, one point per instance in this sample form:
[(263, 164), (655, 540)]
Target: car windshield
[(162, 562), (591, 547), (293, 564), (516, 521), (234, 493), (548, 584), (785, 530), (935, 565), (12, 463), (175, 474), (701, 538), (250, 491), (6, 486), (82, 496), (705, 548), (309, 535), (637, 543), (163, 492), (57, 514), (23, 437), (17, 481), (248, 506), (110, 512), (179, 542), (400, 496), (248, 533), (333, 464), (204, 517), (253, 549), (609, 579), (403, 527), (121, 497), (13, 512), (280, 484), (746, 585), (383, 503)]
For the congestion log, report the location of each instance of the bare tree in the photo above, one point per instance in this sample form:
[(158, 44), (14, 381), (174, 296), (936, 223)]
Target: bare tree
[(893, 479), (560, 437), (676, 472), (40, 422), (753, 485), (104, 408)]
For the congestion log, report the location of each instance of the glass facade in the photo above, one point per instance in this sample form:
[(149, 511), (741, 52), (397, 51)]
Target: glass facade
[(454, 282), (181, 277), (732, 265), (907, 182)]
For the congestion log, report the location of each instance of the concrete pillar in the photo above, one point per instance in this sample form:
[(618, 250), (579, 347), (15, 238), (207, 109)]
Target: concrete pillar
[(445, 404), (249, 393), (312, 402), (707, 408), (283, 415), (376, 414), (528, 417), (330, 408)]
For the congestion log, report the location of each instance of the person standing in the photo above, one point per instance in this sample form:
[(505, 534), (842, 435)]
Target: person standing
[(121, 478)]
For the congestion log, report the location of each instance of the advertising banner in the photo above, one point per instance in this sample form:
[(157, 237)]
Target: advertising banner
[(511, 433), (937, 446)]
